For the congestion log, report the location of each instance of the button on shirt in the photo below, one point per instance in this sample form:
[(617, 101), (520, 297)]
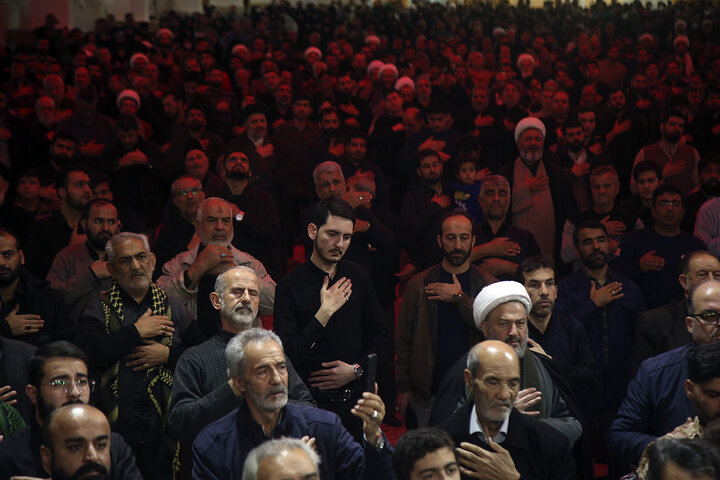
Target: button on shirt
[(475, 427)]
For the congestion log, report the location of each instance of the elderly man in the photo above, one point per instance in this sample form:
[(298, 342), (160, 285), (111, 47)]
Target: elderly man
[(190, 276), (258, 369), (540, 193), (80, 271), (492, 435), (656, 402), (77, 443), (282, 459), (543, 391), (500, 245), (133, 334), (58, 376), (202, 391), (330, 316), (437, 297), (663, 328)]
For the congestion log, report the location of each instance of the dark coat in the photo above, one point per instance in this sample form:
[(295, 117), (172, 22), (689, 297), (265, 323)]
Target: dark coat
[(538, 450), (14, 359), (660, 330)]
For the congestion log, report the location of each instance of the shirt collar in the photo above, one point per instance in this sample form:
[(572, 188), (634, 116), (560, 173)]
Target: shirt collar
[(475, 427)]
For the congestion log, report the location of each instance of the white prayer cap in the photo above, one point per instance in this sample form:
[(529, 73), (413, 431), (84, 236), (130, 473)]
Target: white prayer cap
[(315, 50), (646, 36), (404, 82), (525, 57), (128, 93), (238, 49), (375, 65), (529, 122), (681, 38), (165, 31), (389, 66), (372, 39), (137, 57), (497, 294)]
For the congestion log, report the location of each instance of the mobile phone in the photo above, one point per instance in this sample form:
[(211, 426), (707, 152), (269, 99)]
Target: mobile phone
[(371, 372)]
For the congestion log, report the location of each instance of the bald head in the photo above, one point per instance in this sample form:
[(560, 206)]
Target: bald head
[(76, 442), (493, 377), (490, 352), (703, 309), (214, 224)]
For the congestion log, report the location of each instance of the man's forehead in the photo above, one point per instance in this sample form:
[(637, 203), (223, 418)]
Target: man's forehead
[(590, 233), (55, 366), (188, 183), (217, 210), (130, 246), (104, 210), (242, 278), (512, 310), (541, 274)]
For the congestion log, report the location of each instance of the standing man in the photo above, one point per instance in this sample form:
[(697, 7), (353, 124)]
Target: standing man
[(436, 324), (133, 334), (80, 271), (329, 316)]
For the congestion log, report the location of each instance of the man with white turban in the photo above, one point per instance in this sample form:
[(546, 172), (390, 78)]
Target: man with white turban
[(540, 193), (501, 311)]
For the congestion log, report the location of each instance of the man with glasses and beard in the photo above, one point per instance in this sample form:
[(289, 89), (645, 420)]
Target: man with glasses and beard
[(202, 391), (257, 223), (31, 311), (439, 296), (76, 444), (80, 271), (607, 304), (58, 376)]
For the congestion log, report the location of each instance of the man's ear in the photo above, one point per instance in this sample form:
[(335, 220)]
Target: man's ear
[(21, 254), (689, 325), (312, 231), (468, 379), (682, 278), (483, 328), (689, 389), (215, 300), (238, 384), (32, 393), (46, 456), (439, 241), (61, 192)]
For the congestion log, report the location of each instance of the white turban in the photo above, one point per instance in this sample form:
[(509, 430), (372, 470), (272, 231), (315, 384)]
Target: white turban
[(681, 38), (128, 93), (238, 49), (372, 39), (137, 57), (375, 65), (404, 82), (391, 67), (529, 122), (497, 294), (165, 31), (525, 57), (314, 50)]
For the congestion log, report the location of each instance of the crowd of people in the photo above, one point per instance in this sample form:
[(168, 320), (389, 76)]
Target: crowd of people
[(304, 221)]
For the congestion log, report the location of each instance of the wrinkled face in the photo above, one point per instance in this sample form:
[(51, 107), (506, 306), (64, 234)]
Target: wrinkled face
[(508, 323), (102, 224), (668, 210), (81, 447), (540, 285), (593, 247), (289, 465), (604, 189), (587, 120), (456, 240), (197, 163), (77, 193), (215, 226), (530, 145), (187, 197), (330, 184), (28, 188), (466, 173), (11, 259), (331, 240), (494, 199), (440, 464), (495, 388), (265, 378), (357, 148), (257, 125), (430, 170), (702, 267), (437, 122), (45, 110), (133, 266), (646, 184), (240, 301)]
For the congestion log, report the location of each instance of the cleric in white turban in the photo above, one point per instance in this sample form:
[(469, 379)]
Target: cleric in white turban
[(497, 294)]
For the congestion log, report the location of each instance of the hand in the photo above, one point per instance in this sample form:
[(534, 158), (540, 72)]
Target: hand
[(150, 355), (443, 291), (355, 199), (595, 148), (537, 183), (651, 262), (501, 247), (498, 267), (337, 149), (614, 227), (403, 401), (672, 169), (100, 268), (361, 226), (350, 109), (25, 323), (398, 127), (407, 272), (476, 462), (365, 409), (509, 125), (526, 398), (333, 298), (309, 441), (580, 169), (482, 174), (604, 295), (441, 200), (336, 374), (211, 259), (91, 148), (150, 326), (484, 121), (537, 348), (267, 150), (622, 127), (432, 144), (7, 395)]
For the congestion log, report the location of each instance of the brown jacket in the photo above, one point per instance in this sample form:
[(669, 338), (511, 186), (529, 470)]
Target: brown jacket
[(416, 335)]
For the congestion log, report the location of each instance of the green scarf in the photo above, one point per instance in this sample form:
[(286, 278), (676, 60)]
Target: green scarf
[(10, 420)]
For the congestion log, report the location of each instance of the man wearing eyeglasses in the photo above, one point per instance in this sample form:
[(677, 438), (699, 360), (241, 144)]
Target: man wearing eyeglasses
[(651, 257), (656, 401), (58, 376)]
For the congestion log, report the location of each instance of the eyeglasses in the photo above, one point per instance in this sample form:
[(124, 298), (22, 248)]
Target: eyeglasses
[(195, 191), (66, 385), (709, 317)]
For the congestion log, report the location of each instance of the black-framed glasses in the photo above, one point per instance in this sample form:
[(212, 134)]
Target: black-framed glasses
[(65, 384), (710, 317)]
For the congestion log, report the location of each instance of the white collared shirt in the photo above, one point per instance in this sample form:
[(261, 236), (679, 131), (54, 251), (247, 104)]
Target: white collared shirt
[(475, 427)]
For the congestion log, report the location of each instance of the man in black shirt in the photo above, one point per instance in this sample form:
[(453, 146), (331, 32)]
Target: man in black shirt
[(328, 335)]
